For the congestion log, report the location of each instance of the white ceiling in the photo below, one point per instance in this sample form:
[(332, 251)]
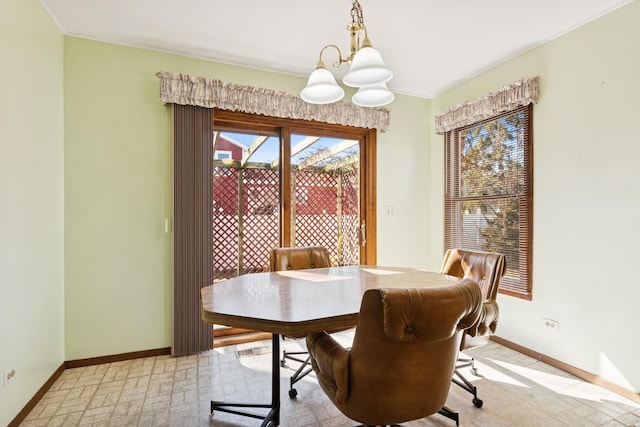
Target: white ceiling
[(430, 45)]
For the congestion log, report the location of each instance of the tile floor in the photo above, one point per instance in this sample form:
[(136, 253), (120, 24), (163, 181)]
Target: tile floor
[(165, 391)]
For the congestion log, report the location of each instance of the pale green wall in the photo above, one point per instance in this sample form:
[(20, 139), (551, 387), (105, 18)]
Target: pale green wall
[(403, 183), (31, 202), (118, 184), (586, 195)]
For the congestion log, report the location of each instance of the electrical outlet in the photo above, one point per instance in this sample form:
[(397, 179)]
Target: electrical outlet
[(9, 375), (552, 324), (390, 210)]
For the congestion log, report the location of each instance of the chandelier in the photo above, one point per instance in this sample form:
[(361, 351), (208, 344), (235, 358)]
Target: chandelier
[(367, 72)]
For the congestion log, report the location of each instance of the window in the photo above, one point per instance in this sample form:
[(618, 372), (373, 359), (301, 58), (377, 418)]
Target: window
[(488, 193), (222, 155)]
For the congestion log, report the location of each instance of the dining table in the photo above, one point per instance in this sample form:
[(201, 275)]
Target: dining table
[(295, 303)]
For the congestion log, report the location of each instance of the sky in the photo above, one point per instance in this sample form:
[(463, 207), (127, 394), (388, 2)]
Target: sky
[(269, 151)]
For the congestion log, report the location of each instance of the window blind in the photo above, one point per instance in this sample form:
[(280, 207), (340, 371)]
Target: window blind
[(488, 193)]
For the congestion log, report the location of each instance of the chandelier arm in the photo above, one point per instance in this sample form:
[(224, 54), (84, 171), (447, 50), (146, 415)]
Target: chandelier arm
[(335, 64), (366, 42)]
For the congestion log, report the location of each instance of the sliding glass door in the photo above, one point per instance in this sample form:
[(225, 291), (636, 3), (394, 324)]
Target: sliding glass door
[(325, 195), (287, 184), (246, 193)]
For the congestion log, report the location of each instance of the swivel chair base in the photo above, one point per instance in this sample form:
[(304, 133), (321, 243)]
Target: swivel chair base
[(444, 411), (465, 383), (300, 373)]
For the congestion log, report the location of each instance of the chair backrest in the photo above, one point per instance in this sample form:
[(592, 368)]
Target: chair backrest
[(299, 258), (404, 351), (484, 268)]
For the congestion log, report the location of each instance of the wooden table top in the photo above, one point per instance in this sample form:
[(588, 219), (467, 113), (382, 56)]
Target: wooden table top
[(298, 302)]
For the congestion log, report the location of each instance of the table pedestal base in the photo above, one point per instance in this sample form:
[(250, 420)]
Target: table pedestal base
[(272, 418)]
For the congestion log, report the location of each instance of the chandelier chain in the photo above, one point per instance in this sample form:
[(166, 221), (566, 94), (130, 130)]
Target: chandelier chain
[(356, 13)]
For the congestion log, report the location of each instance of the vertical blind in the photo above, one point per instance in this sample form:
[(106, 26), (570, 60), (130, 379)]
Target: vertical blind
[(193, 230)]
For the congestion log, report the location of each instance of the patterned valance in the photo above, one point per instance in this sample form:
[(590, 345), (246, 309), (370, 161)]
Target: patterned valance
[(522, 92), (182, 89)]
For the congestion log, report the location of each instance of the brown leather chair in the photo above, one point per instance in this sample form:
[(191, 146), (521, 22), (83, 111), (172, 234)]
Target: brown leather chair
[(486, 269), (298, 259), (403, 355)]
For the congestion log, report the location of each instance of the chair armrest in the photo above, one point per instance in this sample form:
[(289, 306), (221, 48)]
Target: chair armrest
[(330, 361), (488, 321)]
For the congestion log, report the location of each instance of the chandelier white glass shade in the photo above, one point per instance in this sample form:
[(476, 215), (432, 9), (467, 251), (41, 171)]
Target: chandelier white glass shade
[(367, 71), (367, 68), (373, 96), (322, 87)]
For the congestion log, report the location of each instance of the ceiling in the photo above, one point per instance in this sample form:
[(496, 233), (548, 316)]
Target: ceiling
[(430, 45)]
